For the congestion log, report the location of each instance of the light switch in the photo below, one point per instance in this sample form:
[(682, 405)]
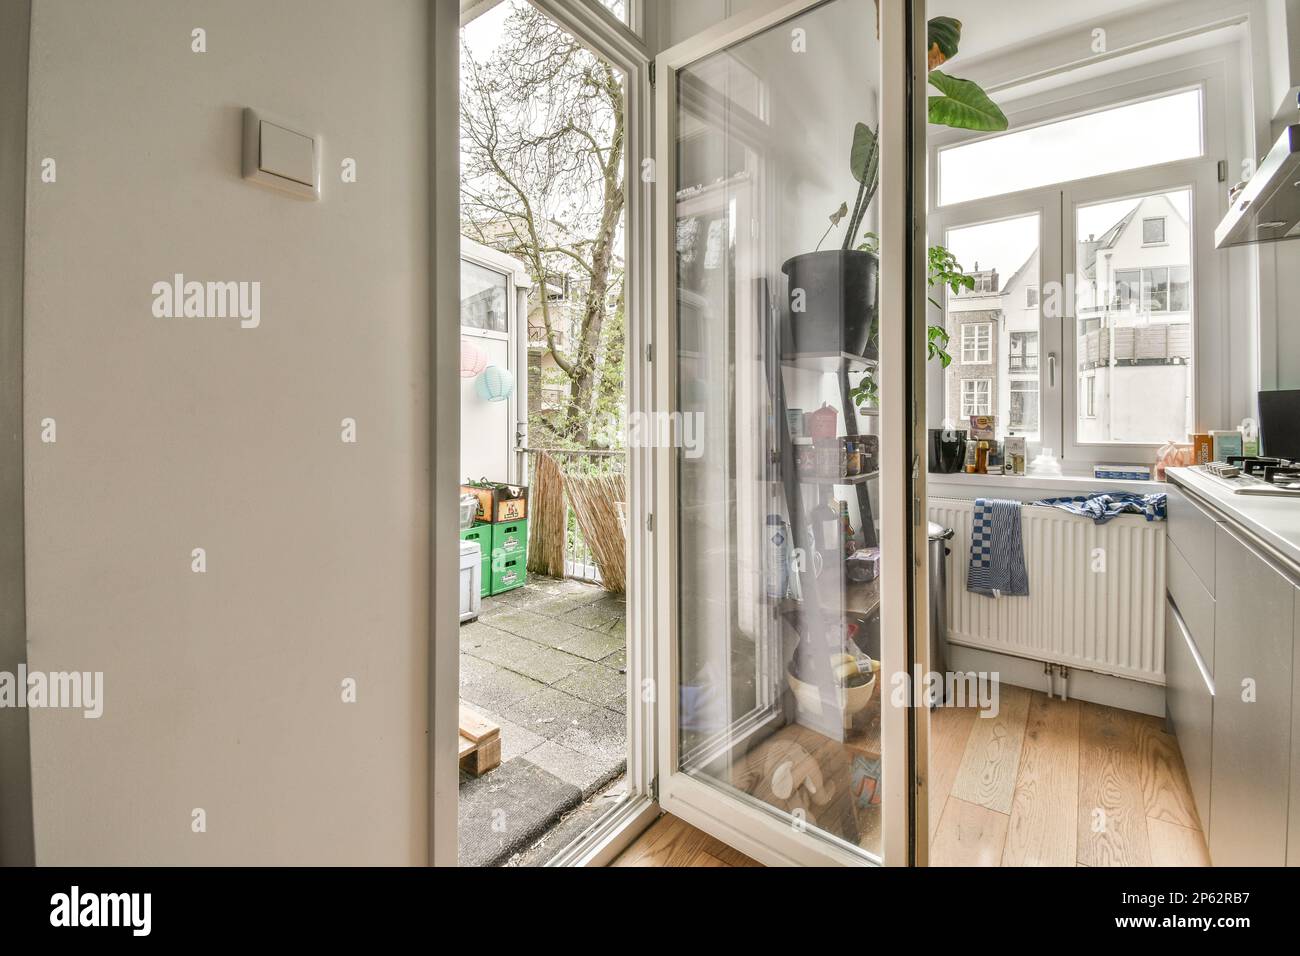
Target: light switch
[(277, 154), (288, 154)]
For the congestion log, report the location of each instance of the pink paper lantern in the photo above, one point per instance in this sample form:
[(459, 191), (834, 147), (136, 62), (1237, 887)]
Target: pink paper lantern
[(472, 360)]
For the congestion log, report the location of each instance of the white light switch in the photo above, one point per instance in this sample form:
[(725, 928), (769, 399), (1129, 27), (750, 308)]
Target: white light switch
[(279, 156), (288, 154)]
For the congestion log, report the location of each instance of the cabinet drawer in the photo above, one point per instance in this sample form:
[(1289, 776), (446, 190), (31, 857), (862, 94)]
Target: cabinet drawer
[(1189, 699), (1195, 605), (1191, 527)]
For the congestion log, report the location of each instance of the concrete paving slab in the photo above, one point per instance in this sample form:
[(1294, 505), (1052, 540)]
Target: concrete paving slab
[(588, 774), (504, 811), (549, 712), (594, 683)]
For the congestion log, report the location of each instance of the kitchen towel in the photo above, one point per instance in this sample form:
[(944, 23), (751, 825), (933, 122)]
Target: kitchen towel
[(997, 551), (1101, 506)]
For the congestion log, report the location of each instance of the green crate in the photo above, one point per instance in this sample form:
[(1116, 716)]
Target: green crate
[(508, 572), (510, 537), (482, 533)]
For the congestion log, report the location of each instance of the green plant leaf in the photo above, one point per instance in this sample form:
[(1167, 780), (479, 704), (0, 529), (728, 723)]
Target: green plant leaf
[(963, 105), (864, 144), (942, 36)]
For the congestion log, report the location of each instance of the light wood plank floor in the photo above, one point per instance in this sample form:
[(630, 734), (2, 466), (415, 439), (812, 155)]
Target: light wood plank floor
[(671, 841), (1058, 783), (1045, 783)]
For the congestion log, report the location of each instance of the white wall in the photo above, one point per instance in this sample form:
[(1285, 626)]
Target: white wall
[(223, 689)]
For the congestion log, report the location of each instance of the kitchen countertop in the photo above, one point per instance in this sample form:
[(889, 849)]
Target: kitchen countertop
[(1274, 521)]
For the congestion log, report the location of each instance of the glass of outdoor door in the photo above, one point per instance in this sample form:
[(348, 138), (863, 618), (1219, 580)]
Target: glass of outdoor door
[(776, 276)]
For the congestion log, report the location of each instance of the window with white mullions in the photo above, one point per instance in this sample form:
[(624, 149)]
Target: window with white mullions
[(976, 397), (977, 343)]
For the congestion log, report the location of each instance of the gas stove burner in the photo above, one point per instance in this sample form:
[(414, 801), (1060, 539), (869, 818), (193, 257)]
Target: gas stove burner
[(1252, 475)]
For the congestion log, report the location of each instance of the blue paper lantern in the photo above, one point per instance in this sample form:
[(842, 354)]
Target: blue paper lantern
[(495, 384)]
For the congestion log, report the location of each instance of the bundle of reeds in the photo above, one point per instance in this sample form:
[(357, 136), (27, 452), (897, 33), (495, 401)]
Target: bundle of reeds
[(546, 522), (596, 503)]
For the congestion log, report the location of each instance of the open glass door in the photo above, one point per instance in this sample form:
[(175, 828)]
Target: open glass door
[(786, 264)]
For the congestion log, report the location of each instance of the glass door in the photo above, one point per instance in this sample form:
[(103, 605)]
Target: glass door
[(784, 518)]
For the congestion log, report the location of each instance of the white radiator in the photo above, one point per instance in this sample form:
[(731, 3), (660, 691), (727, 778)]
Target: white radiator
[(1110, 621)]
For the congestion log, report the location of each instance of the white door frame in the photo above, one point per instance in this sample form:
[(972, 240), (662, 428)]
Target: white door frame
[(621, 45), (744, 824)]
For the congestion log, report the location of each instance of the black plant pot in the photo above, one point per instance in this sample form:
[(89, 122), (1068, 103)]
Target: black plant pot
[(832, 300)]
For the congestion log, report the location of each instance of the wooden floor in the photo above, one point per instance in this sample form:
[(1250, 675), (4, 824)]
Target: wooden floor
[(671, 841), (1044, 783), (1058, 783)]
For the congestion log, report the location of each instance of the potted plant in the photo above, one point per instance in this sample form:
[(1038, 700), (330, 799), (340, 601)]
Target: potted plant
[(832, 292)]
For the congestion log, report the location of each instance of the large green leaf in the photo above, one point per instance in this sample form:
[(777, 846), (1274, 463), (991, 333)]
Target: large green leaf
[(963, 105), (942, 36), (864, 144)]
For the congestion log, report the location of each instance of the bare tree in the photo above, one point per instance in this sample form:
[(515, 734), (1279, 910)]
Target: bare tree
[(542, 140)]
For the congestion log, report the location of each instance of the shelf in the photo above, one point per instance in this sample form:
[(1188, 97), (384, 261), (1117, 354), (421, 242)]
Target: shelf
[(827, 361), (859, 599), (828, 482)]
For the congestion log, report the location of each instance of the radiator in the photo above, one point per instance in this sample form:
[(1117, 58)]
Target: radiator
[(1096, 592)]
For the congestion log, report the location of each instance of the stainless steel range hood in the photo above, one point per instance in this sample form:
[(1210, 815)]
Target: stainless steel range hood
[(1269, 207)]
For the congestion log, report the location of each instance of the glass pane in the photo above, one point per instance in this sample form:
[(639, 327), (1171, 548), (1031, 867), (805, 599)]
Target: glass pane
[(994, 328), (482, 298), (617, 7), (1134, 320), (779, 611), (1127, 137)]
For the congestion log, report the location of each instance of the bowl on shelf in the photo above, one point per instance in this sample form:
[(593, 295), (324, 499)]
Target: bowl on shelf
[(852, 693)]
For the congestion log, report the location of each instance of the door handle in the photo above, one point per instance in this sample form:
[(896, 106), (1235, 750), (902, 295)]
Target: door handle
[(1051, 370)]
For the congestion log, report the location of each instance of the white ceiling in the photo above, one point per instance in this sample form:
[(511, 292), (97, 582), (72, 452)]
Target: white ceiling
[(990, 24)]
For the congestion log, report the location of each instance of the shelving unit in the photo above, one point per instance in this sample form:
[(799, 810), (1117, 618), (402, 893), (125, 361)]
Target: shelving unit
[(818, 616)]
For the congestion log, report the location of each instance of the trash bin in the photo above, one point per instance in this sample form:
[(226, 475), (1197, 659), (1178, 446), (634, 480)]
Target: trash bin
[(939, 551), (471, 570)]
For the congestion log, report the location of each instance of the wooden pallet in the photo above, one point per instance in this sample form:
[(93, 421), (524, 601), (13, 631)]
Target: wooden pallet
[(480, 743)]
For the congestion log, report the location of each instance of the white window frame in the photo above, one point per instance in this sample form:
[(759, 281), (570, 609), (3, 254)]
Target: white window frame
[(975, 403), (974, 347), (1214, 71)]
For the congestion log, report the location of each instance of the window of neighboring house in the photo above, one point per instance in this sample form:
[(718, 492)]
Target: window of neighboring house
[(483, 298), (1022, 416), (976, 397), (1158, 130), (1023, 355), (1158, 289), (1153, 231), (977, 344), (1031, 297)]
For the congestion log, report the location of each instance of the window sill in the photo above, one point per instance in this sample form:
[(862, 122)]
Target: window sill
[(1030, 487)]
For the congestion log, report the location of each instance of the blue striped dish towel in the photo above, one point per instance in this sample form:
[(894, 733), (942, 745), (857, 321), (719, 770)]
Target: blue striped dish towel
[(997, 551)]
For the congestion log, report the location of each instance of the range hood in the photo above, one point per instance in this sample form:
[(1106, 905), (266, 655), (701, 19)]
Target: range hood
[(1269, 207)]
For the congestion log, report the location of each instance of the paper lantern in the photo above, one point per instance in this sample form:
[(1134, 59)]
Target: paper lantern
[(472, 360), (495, 384)]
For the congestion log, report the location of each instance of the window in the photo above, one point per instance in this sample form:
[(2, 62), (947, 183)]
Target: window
[(1159, 130), (1023, 355), (1153, 231), (976, 397), (1022, 415), (482, 298), (977, 345), (1031, 297), (1138, 353)]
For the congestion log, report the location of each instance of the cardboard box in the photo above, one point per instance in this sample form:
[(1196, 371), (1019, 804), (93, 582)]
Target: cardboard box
[(499, 502), (1226, 443), (1202, 449)]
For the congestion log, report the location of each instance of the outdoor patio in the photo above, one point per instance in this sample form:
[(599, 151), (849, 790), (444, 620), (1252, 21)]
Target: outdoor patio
[(547, 662)]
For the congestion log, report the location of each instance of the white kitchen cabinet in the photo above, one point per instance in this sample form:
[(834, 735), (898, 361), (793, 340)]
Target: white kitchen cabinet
[(1254, 648), (1293, 829)]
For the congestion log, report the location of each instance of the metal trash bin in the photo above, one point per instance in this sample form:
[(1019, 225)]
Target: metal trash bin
[(939, 551)]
